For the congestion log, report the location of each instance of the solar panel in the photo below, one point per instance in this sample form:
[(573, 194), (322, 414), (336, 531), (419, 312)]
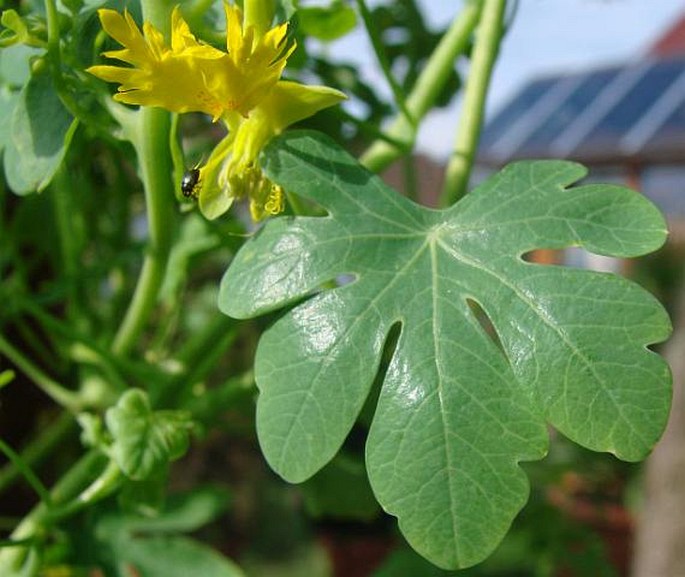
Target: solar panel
[(637, 102), (524, 100), (672, 131), (667, 141), (539, 141), (634, 112)]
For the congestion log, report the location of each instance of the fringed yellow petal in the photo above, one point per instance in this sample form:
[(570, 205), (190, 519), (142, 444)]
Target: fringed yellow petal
[(125, 31), (234, 29), (155, 41), (274, 37), (118, 27), (190, 76), (181, 36)]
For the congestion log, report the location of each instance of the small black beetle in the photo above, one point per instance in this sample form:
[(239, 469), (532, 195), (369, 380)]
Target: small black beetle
[(189, 182)]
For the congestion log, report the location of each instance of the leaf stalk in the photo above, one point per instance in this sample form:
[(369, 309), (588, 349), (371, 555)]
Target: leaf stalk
[(485, 52), (426, 91), (151, 141)]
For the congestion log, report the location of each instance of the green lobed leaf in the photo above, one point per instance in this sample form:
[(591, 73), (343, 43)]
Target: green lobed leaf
[(458, 409), (145, 441), (40, 132)]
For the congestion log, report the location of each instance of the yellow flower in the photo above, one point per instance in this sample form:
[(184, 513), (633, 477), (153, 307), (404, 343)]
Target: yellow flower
[(241, 86), (191, 76), (232, 171)]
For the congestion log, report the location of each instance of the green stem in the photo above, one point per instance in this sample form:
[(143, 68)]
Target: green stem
[(35, 523), (158, 13), (39, 448), (151, 141), (23, 467), (82, 349), (103, 486), (177, 156), (37, 347), (198, 356), (55, 59), (482, 62), (258, 13), (379, 50), (53, 33), (66, 398), (409, 178), (70, 227), (369, 129), (65, 214), (423, 96)]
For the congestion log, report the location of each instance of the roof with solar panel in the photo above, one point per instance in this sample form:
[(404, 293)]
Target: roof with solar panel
[(634, 113)]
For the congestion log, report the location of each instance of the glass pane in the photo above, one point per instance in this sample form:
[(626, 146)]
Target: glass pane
[(523, 101), (633, 105), (583, 96)]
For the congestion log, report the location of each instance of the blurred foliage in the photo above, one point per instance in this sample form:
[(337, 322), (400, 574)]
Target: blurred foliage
[(408, 44)]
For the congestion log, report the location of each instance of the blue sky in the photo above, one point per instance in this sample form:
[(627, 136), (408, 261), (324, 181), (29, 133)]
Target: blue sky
[(547, 36)]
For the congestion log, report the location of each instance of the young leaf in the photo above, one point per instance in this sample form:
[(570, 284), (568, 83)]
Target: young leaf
[(40, 133), (144, 440), (458, 409), (327, 23)]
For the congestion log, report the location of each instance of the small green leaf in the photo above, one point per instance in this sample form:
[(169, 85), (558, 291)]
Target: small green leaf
[(92, 430), (177, 557), (459, 408), (214, 202), (182, 513), (194, 239), (145, 441), (145, 498), (11, 20), (341, 490), (41, 130), (6, 377), (327, 22), (8, 101)]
